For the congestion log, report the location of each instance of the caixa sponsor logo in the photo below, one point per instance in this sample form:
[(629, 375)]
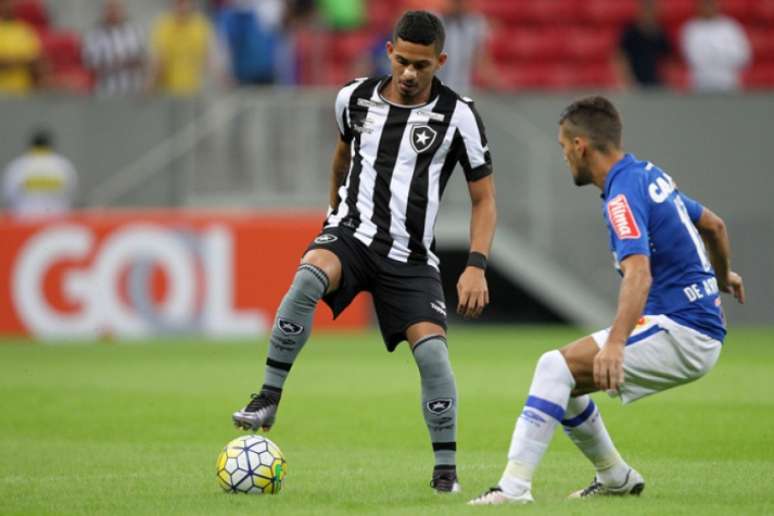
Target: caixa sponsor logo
[(139, 280)]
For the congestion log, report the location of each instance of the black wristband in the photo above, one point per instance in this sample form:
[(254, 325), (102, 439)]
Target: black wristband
[(476, 259)]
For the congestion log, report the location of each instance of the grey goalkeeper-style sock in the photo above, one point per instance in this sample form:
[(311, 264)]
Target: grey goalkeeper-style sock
[(439, 397), (293, 322)]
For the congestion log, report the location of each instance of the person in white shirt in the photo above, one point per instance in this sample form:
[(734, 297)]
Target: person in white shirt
[(467, 36), (40, 182), (716, 48)]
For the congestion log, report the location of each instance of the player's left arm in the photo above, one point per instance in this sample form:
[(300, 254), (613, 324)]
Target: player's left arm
[(472, 288), (632, 296), (715, 235)]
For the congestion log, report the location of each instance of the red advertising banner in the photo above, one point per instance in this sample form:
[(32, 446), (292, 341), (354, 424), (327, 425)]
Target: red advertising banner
[(144, 273)]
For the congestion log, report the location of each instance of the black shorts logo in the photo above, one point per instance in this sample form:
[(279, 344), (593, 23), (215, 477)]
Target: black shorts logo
[(325, 238), (289, 327), (440, 405)]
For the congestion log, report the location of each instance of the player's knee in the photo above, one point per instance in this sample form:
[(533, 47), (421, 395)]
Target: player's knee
[(552, 366), (309, 285), (432, 357)]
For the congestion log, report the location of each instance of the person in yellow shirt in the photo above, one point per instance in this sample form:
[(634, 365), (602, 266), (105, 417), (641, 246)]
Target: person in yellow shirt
[(20, 53), (181, 42)]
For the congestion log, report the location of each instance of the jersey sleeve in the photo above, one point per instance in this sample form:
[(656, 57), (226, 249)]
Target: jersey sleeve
[(342, 109), (627, 210), (693, 207), (474, 157)]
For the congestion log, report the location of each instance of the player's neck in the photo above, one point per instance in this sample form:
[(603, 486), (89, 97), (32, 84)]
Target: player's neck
[(392, 94), (603, 164)]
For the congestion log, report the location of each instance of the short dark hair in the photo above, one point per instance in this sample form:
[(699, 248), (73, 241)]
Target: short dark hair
[(597, 118), (421, 27), (41, 138)]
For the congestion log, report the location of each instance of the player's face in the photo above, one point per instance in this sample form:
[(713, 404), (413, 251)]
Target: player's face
[(574, 151), (413, 67)]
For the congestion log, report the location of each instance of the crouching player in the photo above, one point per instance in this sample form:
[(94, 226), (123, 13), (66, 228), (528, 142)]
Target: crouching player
[(668, 328)]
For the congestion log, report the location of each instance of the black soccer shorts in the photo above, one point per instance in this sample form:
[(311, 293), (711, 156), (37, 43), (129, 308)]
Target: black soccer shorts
[(404, 293)]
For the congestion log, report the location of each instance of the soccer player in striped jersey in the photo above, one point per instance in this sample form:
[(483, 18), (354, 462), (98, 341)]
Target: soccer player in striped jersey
[(669, 325), (401, 136)]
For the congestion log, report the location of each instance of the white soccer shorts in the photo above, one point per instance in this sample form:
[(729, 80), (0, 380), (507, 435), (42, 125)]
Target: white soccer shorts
[(661, 354)]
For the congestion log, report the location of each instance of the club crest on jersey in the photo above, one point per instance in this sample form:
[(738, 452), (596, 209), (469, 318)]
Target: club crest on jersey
[(422, 137), (289, 327), (325, 238), (440, 405), (622, 218)]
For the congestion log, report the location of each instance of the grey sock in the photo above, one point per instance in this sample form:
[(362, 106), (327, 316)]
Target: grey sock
[(293, 322), (439, 397)]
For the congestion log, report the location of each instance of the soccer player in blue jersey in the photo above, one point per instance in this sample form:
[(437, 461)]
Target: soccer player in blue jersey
[(668, 329)]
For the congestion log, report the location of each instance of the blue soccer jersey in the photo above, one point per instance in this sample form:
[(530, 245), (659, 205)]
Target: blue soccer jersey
[(646, 214)]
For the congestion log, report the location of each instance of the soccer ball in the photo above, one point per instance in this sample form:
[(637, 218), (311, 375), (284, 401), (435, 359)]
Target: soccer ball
[(251, 464)]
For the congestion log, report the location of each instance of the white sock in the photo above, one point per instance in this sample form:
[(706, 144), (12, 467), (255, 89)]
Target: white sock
[(543, 410), (584, 426)]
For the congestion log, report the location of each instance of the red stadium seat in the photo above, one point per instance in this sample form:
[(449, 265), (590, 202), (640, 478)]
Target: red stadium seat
[(676, 75), (348, 46), (529, 11), (760, 76), (524, 44), (32, 12), (676, 11), (762, 41), (609, 12), (741, 10), (763, 11), (589, 44), (63, 55)]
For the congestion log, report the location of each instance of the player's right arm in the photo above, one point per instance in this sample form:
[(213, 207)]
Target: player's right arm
[(339, 169), (715, 236), (342, 153)]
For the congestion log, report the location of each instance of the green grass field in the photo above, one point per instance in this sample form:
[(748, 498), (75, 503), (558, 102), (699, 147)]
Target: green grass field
[(135, 428)]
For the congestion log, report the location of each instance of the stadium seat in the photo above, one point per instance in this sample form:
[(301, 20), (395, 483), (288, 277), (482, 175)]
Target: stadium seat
[(740, 10), (676, 11), (760, 76), (33, 12), (762, 12), (762, 42), (589, 44), (608, 12), (348, 46), (676, 75), (63, 56), (525, 43), (529, 11)]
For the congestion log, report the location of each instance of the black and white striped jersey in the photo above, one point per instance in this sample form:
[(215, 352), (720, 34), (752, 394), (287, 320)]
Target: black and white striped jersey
[(401, 160), (115, 54)]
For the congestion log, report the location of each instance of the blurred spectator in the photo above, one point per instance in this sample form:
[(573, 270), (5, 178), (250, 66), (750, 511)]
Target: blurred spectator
[(642, 45), (20, 53), (342, 14), (373, 61), (250, 30), (182, 46), (302, 50), (40, 182), (114, 51), (716, 48), (467, 35)]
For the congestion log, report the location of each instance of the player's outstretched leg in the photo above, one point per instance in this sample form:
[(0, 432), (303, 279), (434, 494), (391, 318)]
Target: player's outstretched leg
[(543, 410), (290, 332), (584, 426), (439, 406)]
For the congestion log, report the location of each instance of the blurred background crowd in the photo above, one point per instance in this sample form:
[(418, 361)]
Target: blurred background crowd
[(202, 114), (185, 46)]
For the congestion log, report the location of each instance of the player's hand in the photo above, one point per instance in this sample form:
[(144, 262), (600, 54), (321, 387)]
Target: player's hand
[(608, 367), (733, 285), (472, 292)]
